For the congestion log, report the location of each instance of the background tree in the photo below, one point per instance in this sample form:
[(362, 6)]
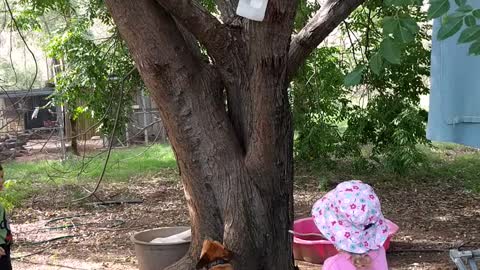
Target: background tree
[(88, 68), (378, 103), (91, 76)]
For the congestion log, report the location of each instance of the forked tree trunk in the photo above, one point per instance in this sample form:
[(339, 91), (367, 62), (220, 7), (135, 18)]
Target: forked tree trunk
[(228, 119)]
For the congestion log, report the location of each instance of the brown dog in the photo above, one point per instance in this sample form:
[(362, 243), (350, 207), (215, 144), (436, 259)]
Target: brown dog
[(214, 256)]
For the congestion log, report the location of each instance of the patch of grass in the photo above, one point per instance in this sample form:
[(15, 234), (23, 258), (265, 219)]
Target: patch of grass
[(126, 163), (123, 164), (444, 164), (453, 163), (26, 179)]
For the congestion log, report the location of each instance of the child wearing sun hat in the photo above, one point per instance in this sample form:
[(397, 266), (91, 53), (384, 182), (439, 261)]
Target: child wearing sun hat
[(350, 217)]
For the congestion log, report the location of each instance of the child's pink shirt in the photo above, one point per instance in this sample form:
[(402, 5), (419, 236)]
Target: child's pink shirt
[(342, 261)]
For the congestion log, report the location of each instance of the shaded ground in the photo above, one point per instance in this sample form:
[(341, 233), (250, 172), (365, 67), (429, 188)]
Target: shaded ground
[(432, 218)]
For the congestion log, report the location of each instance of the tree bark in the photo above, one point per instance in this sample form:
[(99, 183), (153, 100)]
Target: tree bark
[(228, 119), (74, 136)]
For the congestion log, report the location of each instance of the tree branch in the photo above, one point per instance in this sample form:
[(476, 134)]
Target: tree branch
[(204, 26), (330, 15)]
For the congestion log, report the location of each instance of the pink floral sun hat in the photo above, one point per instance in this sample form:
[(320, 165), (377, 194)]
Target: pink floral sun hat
[(350, 217)]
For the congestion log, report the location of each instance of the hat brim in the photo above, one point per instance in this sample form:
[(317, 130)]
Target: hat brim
[(344, 235)]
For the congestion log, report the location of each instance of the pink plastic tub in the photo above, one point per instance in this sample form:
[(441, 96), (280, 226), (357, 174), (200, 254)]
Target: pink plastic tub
[(315, 249)]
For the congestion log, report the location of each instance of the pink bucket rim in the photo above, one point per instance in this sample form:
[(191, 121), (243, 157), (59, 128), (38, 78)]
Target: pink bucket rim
[(392, 230)]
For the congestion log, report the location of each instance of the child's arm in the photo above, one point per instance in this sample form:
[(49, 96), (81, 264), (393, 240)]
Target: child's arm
[(2, 252)]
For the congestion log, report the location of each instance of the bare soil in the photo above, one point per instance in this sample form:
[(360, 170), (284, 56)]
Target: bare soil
[(433, 218)]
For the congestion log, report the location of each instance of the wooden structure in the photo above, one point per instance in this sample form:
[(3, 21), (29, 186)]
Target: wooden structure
[(22, 110)]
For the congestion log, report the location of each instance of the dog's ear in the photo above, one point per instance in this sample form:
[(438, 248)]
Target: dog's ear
[(204, 258), (211, 251)]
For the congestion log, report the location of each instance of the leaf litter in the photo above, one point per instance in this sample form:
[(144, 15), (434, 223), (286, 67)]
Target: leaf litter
[(432, 218)]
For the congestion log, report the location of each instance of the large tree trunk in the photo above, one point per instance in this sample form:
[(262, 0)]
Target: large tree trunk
[(228, 119)]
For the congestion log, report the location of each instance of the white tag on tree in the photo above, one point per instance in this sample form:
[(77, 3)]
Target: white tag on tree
[(252, 9)]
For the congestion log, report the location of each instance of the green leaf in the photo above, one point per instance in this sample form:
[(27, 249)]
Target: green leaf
[(465, 9), (475, 49), (389, 24), (470, 20), (469, 34), (451, 25), (452, 15), (403, 34), (460, 2), (403, 29), (355, 77), (438, 8), (410, 24), (376, 63), (391, 50), (476, 13), (407, 30)]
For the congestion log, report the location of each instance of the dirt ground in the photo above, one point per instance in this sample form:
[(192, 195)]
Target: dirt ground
[(432, 219), (50, 149)]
